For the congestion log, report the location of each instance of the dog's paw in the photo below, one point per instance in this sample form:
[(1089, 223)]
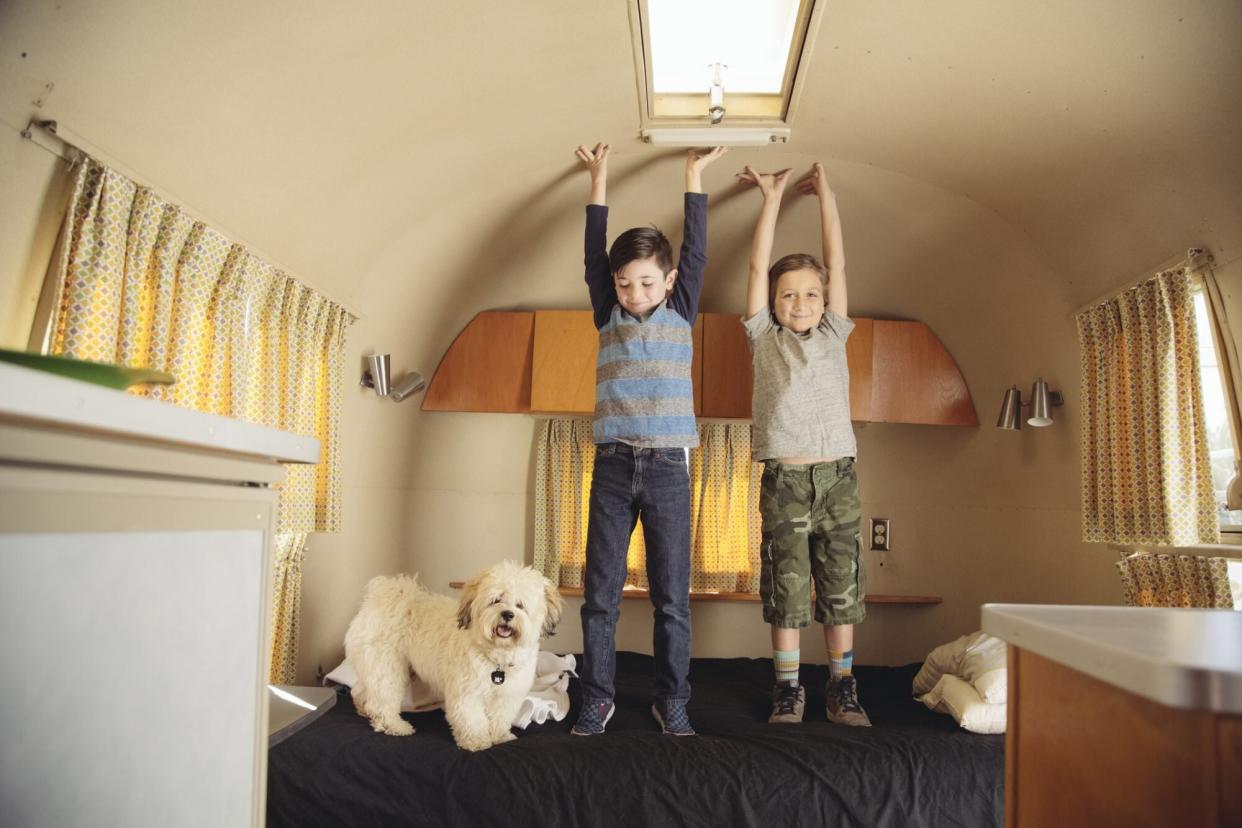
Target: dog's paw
[(474, 743), (394, 727), (504, 737)]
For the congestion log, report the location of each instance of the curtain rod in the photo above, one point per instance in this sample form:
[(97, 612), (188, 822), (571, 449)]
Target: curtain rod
[(1168, 264), (73, 149)]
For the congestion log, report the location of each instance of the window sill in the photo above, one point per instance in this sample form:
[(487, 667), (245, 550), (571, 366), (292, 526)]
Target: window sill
[(921, 600)]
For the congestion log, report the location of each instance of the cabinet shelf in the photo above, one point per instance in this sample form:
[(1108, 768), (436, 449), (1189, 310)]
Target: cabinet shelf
[(543, 362)]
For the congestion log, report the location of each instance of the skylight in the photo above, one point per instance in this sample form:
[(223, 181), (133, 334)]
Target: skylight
[(757, 45), (750, 37)]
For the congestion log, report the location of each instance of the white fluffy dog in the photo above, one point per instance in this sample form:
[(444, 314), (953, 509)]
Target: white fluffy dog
[(477, 654)]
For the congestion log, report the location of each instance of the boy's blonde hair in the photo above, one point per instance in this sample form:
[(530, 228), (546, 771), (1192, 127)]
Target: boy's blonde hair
[(794, 261)]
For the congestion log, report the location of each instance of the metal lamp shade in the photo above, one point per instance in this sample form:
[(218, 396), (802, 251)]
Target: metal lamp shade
[(1041, 414), (379, 372), (411, 383), (1010, 414)]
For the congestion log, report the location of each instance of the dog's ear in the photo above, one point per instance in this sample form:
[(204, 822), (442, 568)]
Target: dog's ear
[(553, 604), (465, 609)]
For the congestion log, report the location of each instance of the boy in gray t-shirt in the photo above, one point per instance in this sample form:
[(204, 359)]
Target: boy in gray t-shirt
[(797, 326)]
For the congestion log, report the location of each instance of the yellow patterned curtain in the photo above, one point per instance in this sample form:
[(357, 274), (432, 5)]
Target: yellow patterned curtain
[(724, 503), (1158, 579), (139, 282), (286, 606), (1146, 474)]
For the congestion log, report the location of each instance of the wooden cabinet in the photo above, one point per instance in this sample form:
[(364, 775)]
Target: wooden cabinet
[(1121, 715), (488, 366), (563, 375), (1082, 752), (544, 362), (727, 374)]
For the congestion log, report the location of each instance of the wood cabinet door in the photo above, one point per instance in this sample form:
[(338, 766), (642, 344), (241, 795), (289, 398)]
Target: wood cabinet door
[(563, 374), (915, 380), (488, 366), (727, 373)]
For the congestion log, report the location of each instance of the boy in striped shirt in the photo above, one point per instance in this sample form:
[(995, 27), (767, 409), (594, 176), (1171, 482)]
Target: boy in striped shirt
[(644, 425)]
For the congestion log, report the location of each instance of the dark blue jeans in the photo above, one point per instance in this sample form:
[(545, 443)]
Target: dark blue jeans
[(628, 483)]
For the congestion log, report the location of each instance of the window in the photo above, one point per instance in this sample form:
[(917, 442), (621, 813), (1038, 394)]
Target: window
[(1216, 416), (761, 45)]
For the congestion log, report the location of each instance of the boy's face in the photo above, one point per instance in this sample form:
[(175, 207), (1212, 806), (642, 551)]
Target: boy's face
[(799, 302), (641, 285)]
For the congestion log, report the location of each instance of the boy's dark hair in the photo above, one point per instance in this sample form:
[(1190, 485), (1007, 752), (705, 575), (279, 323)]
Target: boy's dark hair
[(641, 243), (794, 261)]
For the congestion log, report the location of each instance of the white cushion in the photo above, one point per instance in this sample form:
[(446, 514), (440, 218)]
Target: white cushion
[(960, 700)]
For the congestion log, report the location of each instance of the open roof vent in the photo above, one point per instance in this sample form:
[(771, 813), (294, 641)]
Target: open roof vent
[(721, 72)]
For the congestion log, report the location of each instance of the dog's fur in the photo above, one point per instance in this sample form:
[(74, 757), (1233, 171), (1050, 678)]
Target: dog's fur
[(454, 647)]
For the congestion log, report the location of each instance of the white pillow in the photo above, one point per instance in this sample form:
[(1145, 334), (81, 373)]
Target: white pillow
[(960, 700), (971, 657), (986, 655), (944, 659), (993, 686)]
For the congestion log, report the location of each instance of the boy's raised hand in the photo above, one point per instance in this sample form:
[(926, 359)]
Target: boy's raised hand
[(815, 182), (597, 162), (700, 158), (696, 160), (595, 159), (770, 184)]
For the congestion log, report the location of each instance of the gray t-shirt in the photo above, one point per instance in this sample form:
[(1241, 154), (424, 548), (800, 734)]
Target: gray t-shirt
[(801, 401)]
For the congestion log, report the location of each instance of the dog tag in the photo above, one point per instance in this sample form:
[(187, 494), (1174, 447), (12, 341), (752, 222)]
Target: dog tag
[(498, 677)]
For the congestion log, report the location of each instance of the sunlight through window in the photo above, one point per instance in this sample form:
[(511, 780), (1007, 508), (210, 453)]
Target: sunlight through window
[(751, 38)]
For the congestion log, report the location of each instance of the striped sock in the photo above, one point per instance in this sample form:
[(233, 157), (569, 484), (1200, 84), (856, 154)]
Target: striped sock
[(840, 663), (786, 662)]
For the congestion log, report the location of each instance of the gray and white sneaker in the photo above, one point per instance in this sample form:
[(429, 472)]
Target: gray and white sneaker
[(788, 702), (843, 706)]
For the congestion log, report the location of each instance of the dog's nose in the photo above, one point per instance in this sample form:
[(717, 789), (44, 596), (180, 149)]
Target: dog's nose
[(507, 615)]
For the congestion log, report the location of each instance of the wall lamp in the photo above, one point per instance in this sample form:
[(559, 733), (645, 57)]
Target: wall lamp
[(1041, 405), (377, 374)]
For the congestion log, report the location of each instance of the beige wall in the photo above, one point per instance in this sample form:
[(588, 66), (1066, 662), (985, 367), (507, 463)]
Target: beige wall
[(987, 191)]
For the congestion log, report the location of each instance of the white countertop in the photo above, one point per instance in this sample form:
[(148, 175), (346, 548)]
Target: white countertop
[(1187, 658), (37, 396)]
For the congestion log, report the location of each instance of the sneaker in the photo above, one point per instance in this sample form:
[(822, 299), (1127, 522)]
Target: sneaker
[(672, 718), (788, 702), (592, 718), (843, 706)]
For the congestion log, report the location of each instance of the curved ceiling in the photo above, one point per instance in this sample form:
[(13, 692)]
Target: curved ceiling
[(317, 132)]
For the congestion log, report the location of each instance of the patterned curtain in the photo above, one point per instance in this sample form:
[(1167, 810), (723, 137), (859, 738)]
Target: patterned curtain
[(286, 606), (724, 503), (1146, 473), (138, 282), (1158, 579)]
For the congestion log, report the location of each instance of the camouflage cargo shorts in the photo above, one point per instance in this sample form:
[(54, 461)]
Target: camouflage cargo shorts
[(810, 532)]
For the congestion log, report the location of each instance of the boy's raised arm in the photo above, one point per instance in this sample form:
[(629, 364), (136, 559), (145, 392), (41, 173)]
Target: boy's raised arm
[(693, 258), (597, 273), (816, 182), (772, 185)]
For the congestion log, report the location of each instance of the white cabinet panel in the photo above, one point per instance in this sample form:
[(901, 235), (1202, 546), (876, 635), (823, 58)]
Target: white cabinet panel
[(131, 662)]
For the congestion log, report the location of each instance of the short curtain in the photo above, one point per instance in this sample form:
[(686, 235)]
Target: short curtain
[(724, 506), (141, 283), (1146, 473)]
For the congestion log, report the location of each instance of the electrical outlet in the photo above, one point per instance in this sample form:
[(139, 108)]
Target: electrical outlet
[(881, 535)]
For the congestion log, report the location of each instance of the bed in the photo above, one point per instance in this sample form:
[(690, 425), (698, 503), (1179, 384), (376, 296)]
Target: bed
[(913, 768)]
